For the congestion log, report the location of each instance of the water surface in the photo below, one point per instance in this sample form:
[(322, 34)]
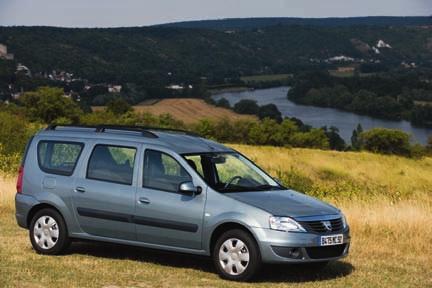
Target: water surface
[(346, 122)]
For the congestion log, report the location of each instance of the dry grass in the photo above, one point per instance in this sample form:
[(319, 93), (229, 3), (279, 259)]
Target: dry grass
[(7, 192), (390, 239), (335, 175), (187, 110)]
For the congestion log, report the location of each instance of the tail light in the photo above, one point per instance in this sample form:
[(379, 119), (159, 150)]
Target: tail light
[(19, 183)]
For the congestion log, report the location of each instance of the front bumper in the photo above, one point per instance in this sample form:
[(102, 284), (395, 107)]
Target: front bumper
[(277, 246)]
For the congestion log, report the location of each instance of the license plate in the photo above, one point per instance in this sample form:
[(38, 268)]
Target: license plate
[(331, 240)]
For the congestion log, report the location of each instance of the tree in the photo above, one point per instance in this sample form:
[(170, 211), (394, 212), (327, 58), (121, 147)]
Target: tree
[(47, 104), (224, 103), (270, 111), (246, 107), (335, 140), (386, 141), (429, 146), (118, 106), (356, 143)]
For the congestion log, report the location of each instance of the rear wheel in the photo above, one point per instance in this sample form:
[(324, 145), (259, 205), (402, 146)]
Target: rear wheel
[(236, 255), (48, 232)]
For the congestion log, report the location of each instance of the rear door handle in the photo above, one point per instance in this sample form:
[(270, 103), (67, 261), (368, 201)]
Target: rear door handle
[(144, 200), (80, 189)]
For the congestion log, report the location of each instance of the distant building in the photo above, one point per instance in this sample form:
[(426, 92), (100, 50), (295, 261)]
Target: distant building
[(4, 53), (376, 50), (341, 58), (175, 87), (345, 69), (178, 87), (382, 44), (114, 88), (22, 69)]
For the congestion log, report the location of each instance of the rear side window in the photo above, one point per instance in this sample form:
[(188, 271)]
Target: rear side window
[(57, 157), (112, 164), (163, 172)]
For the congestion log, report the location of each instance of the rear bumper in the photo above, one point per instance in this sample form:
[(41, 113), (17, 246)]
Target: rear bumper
[(23, 205), (288, 247)]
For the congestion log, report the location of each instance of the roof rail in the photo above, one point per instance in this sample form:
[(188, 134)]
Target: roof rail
[(145, 131), (102, 128)]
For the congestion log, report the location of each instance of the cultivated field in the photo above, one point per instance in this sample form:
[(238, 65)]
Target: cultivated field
[(266, 78), (187, 110), (387, 200)]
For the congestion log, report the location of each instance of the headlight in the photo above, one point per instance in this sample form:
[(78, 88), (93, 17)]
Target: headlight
[(285, 224), (344, 221)]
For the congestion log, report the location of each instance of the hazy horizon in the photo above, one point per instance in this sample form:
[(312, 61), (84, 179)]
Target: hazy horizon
[(128, 13)]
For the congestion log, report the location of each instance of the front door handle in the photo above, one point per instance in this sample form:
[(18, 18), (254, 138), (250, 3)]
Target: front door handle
[(80, 189), (144, 200)]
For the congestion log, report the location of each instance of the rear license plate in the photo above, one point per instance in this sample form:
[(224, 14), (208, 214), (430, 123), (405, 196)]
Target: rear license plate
[(331, 240)]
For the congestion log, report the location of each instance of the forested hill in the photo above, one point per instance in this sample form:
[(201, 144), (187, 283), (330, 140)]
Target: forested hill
[(154, 56), (253, 23)]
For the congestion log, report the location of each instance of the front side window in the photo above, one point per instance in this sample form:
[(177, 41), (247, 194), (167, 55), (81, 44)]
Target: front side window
[(163, 172), (56, 157), (231, 172), (112, 164)]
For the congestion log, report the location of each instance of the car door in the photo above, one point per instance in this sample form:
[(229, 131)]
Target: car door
[(163, 215), (104, 194)]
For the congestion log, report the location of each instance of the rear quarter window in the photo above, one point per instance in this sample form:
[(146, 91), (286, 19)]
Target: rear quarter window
[(58, 157)]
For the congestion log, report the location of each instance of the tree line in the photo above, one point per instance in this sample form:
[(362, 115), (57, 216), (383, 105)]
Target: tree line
[(392, 96), (48, 105)]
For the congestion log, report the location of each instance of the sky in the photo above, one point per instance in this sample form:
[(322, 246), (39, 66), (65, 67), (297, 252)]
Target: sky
[(117, 13)]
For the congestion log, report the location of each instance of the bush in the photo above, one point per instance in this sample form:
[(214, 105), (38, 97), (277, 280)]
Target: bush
[(246, 107), (270, 111), (429, 146), (118, 106), (224, 103), (47, 104), (15, 132), (386, 141)]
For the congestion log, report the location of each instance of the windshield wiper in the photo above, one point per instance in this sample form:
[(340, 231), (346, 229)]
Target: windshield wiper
[(268, 187)]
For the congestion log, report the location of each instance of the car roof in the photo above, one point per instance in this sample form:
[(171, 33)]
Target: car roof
[(181, 142)]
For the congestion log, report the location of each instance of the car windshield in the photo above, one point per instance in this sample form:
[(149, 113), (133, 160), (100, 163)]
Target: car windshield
[(231, 172)]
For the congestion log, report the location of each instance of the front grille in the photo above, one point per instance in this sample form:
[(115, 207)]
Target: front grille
[(325, 251), (319, 227)]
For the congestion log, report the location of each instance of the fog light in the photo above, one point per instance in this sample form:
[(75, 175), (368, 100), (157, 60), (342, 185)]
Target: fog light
[(288, 252), (295, 253)]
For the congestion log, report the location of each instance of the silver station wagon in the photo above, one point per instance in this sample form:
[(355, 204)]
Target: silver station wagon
[(170, 190)]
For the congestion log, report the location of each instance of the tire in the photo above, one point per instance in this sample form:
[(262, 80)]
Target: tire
[(231, 252), (48, 232)]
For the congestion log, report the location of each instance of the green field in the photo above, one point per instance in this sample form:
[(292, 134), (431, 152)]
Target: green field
[(387, 200)]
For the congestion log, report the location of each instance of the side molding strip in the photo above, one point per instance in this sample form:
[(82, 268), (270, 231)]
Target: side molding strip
[(120, 217)]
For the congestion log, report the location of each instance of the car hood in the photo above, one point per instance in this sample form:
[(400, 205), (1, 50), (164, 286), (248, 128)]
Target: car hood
[(285, 203)]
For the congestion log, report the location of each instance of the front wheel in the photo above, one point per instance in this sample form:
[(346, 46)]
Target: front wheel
[(48, 232), (236, 256)]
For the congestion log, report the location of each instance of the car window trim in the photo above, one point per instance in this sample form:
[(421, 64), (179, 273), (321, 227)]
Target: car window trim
[(158, 189), (57, 172), (184, 155), (111, 181)]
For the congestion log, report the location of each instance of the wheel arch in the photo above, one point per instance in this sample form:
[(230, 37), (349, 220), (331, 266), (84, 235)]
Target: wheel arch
[(226, 226), (39, 207)]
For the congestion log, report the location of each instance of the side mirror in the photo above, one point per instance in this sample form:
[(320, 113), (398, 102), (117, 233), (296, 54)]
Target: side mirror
[(189, 188)]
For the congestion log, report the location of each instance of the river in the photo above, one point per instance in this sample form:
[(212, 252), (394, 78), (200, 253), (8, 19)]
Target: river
[(318, 116)]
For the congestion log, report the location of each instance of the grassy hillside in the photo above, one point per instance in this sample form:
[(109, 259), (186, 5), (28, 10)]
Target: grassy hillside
[(187, 110), (387, 201)]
